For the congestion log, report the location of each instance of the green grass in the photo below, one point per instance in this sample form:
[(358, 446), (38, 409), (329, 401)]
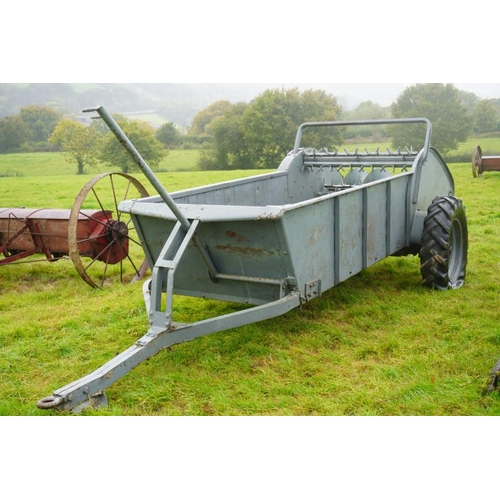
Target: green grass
[(54, 164), (489, 146), (378, 344)]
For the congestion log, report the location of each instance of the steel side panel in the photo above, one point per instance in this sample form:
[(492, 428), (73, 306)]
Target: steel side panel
[(329, 239), (376, 227), (349, 219), (397, 217), (310, 235), (241, 248), (254, 192)]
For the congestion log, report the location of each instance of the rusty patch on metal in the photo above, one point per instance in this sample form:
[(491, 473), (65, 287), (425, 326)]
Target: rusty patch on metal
[(258, 252), (238, 237)]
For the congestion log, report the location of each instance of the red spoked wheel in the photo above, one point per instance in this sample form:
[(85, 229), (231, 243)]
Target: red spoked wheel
[(103, 244)]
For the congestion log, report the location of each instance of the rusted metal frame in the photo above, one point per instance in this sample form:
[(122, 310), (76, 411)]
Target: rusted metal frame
[(5, 246), (13, 258), (489, 164), (38, 241)]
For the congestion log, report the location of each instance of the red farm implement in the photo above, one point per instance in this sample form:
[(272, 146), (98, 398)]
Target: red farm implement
[(93, 233), (482, 163)]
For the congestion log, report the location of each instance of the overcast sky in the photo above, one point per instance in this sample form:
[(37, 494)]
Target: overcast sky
[(386, 93), (382, 93)]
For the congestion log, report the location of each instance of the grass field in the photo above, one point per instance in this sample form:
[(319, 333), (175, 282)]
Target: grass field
[(54, 164), (378, 344)]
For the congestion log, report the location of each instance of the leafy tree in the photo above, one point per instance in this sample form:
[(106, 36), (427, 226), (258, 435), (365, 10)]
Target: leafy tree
[(78, 142), (40, 120), (142, 137), (469, 99), (204, 118), (366, 110), (486, 116), (271, 121), (442, 105), (13, 133), (168, 134), (230, 149), (260, 134)]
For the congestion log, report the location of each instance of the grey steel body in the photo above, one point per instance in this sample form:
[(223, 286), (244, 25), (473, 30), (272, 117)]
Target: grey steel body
[(273, 241)]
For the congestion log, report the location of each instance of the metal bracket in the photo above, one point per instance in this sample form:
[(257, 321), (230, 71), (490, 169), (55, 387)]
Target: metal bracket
[(312, 290)]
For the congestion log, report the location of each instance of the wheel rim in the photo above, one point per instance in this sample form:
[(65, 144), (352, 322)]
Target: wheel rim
[(117, 235), (456, 253)]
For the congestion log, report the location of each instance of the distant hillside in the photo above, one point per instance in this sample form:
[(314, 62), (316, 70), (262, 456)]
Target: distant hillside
[(180, 102), (177, 102)]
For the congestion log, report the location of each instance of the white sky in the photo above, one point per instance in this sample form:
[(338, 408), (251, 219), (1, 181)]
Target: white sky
[(386, 93)]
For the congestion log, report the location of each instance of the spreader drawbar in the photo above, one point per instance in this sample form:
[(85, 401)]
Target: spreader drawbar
[(88, 390)]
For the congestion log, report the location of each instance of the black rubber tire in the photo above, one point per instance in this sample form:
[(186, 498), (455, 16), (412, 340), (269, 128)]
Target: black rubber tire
[(445, 243)]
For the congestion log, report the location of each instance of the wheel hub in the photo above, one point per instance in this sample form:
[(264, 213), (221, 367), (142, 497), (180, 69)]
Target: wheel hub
[(118, 231)]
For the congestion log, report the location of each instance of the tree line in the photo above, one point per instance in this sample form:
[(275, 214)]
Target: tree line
[(260, 133), (40, 128), (255, 134)]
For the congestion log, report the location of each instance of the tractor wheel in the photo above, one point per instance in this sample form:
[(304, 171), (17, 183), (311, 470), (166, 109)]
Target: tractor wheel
[(443, 254)]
